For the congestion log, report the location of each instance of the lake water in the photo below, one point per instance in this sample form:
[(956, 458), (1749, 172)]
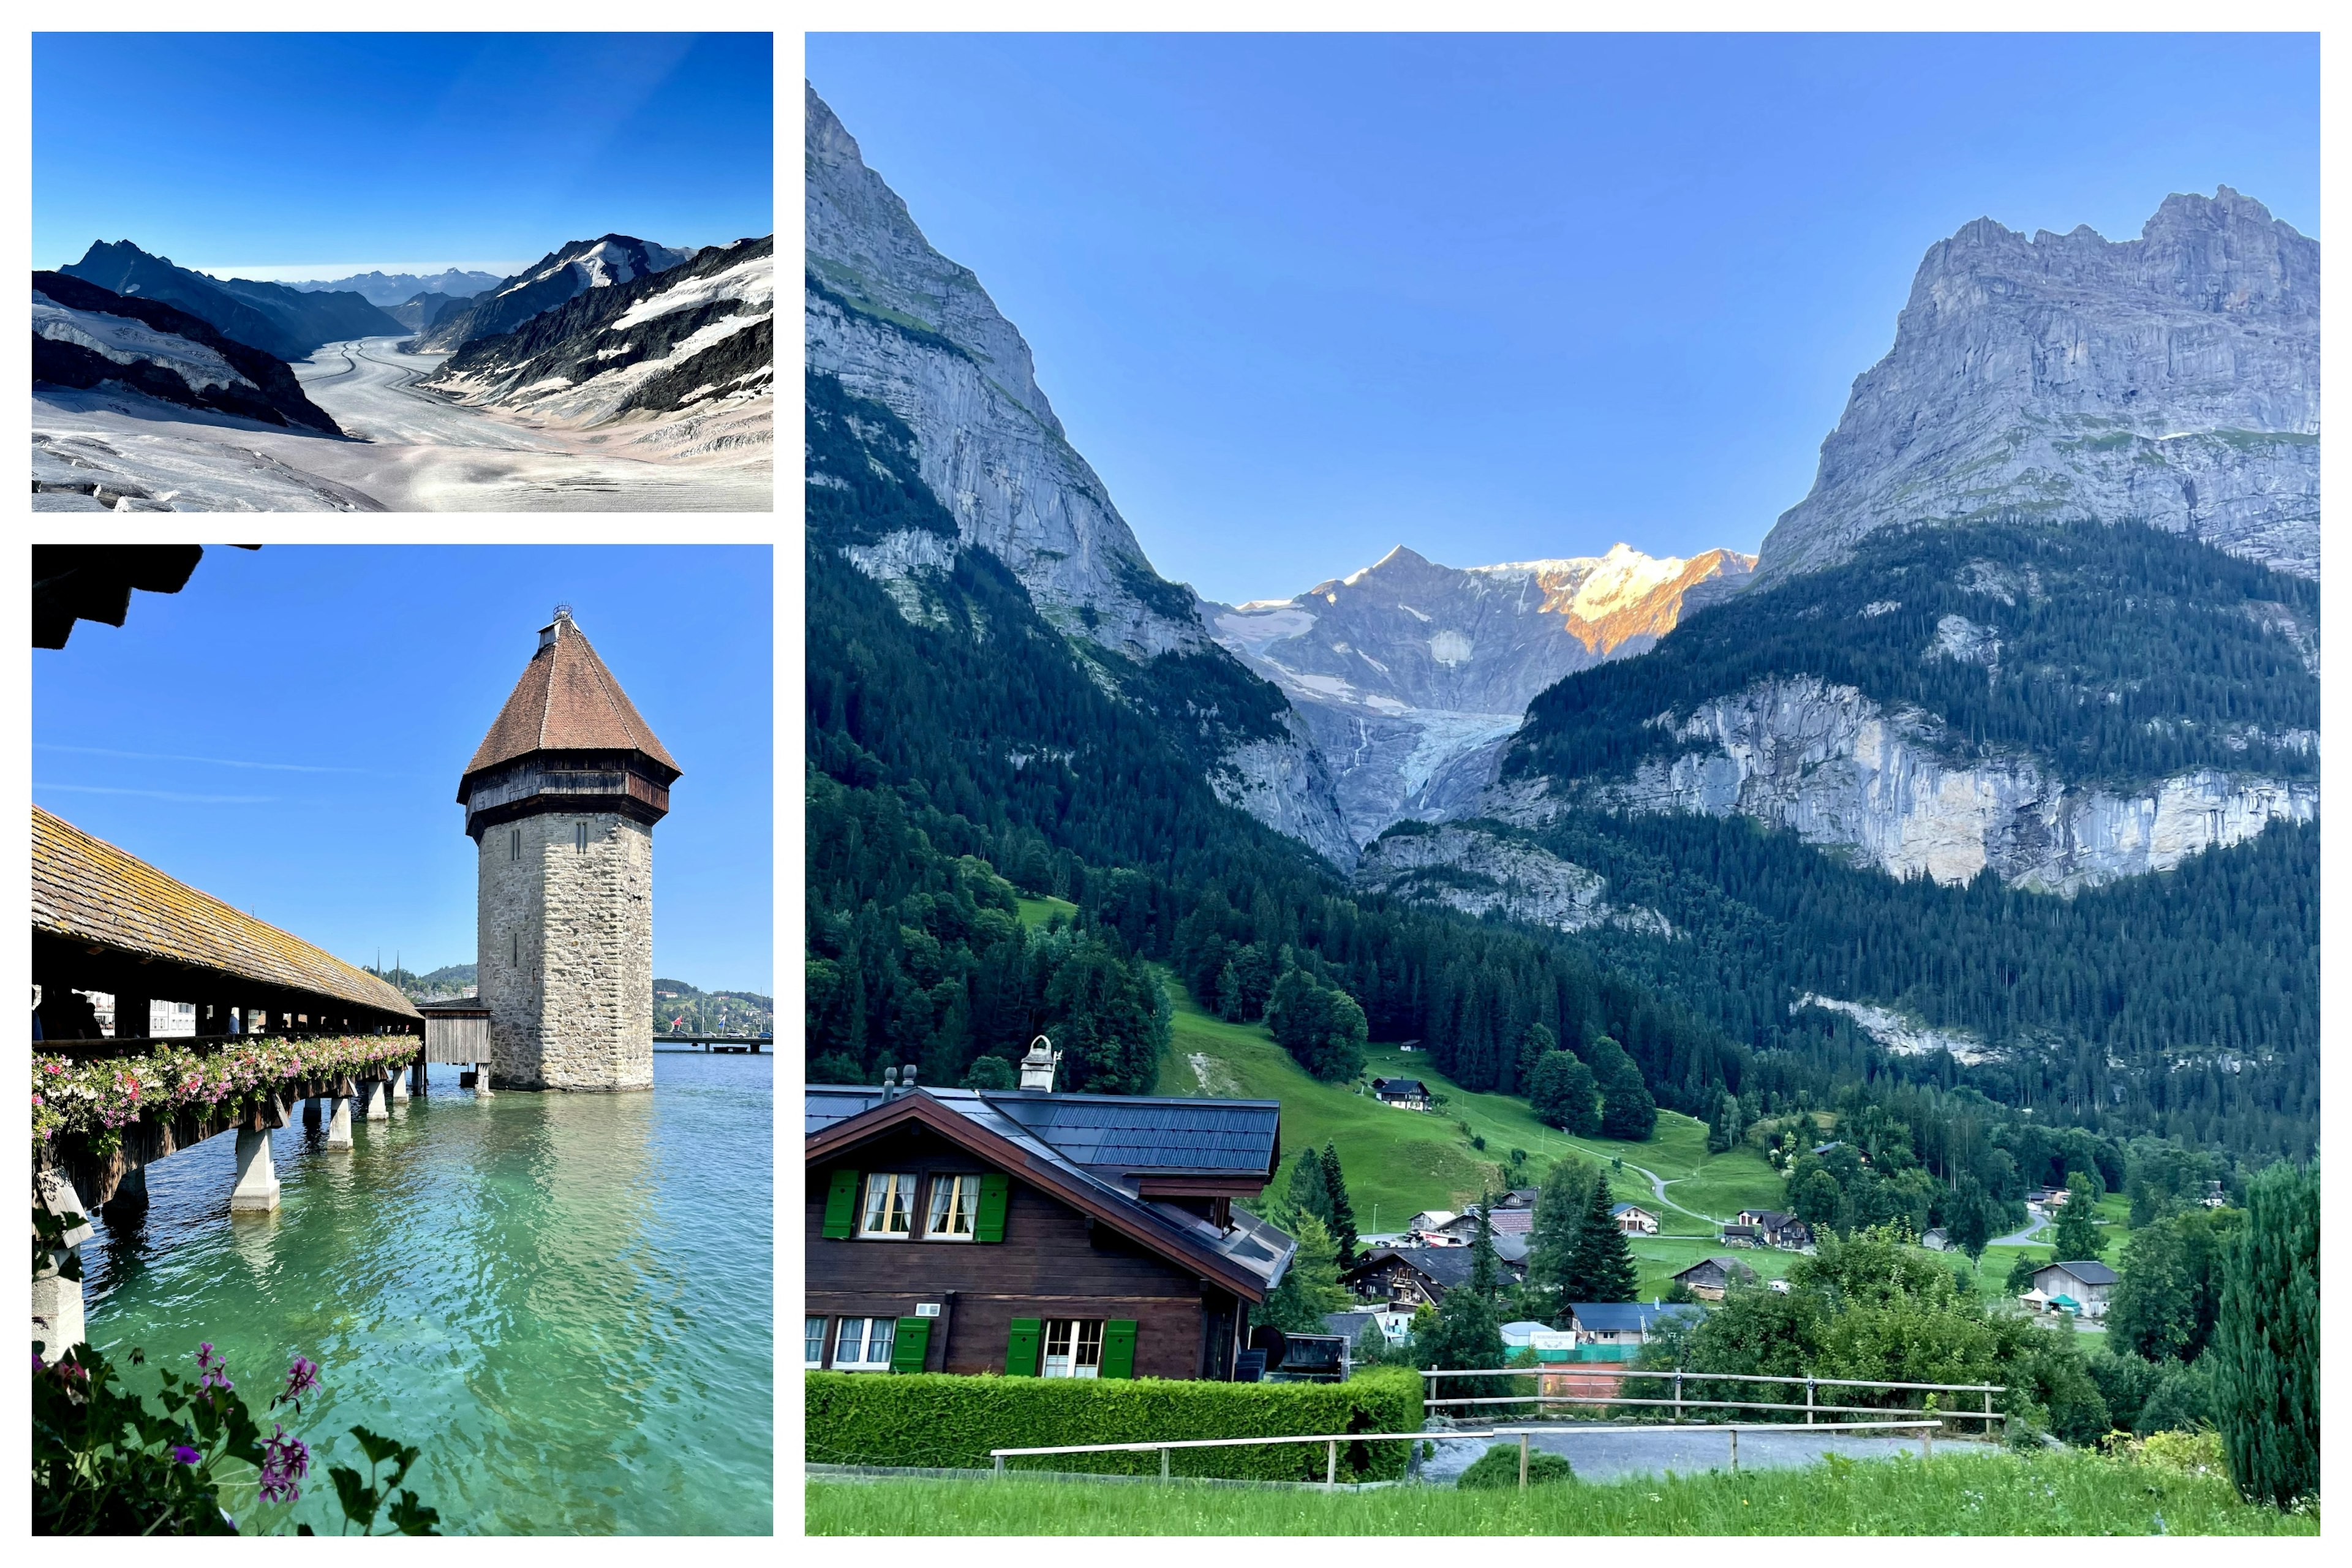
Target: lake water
[(564, 1299)]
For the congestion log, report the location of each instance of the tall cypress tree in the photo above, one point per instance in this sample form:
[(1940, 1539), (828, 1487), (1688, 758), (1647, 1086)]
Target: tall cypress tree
[(1341, 1215), (1603, 1267), (2266, 1341)]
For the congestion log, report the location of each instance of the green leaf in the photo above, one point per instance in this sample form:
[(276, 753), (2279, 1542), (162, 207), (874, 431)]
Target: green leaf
[(378, 1449), (410, 1518), (359, 1499)]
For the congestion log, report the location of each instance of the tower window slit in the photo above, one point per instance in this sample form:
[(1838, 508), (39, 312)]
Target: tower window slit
[(580, 836)]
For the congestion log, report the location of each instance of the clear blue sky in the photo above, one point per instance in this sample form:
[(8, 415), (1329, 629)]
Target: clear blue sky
[(287, 732), (1300, 298), (250, 150)]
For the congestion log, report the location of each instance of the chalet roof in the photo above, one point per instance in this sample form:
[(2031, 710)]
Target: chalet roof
[(1521, 1198), (1627, 1317), (1254, 1254), (2088, 1272), (1125, 1133), (1770, 1219), (1722, 1266), (1447, 1267), (87, 890), (1616, 1209), (566, 701), (1399, 1086), (1350, 1326), (1512, 1249)]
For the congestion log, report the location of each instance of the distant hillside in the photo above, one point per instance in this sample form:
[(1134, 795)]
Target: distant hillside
[(678, 1008)]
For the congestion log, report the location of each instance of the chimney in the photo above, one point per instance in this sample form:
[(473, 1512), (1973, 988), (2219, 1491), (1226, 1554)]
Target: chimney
[(889, 1083), (1037, 1066), (906, 1079)]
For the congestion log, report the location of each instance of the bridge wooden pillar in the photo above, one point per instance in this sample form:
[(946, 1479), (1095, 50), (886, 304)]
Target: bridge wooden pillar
[(338, 1117), (377, 1101)]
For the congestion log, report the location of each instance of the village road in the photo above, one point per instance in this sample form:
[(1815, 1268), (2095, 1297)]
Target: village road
[(2040, 1222), (1610, 1452)]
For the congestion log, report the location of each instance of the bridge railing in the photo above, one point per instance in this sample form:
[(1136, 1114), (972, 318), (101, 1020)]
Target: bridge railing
[(1431, 1400)]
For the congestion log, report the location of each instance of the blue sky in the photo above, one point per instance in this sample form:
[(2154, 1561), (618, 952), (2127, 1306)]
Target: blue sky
[(383, 151), (1300, 298), (287, 732)]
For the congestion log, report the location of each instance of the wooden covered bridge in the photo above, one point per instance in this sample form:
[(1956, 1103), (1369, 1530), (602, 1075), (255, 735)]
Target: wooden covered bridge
[(106, 921)]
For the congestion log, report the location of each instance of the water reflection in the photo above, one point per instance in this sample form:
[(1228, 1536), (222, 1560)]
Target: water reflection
[(539, 1290)]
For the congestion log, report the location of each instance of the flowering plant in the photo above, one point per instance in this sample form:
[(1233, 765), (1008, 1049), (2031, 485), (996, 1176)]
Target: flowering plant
[(99, 1098), (104, 1463)]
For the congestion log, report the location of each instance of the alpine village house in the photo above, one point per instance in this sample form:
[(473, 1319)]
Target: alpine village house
[(1035, 1233)]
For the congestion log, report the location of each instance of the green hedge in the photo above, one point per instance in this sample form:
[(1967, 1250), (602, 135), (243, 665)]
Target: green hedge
[(951, 1422)]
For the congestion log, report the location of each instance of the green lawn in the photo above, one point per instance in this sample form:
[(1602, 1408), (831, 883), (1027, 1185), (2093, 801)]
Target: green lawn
[(1971, 1494), (1401, 1161), (1036, 912)]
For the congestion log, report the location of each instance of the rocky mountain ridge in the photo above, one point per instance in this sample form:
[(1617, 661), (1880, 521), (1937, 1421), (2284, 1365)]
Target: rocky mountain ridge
[(560, 275), (287, 323), (895, 323), (2171, 379), (87, 337), (1411, 676)]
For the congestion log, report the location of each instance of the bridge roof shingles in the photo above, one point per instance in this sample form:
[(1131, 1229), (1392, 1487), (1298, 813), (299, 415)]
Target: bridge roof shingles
[(86, 890)]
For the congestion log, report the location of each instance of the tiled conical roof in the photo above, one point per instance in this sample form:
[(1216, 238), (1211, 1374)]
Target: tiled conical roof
[(566, 701)]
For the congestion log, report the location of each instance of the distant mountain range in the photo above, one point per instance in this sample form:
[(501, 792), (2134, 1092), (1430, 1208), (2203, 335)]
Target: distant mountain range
[(388, 288), (1412, 676), (677, 1007), (287, 322), (85, 337)]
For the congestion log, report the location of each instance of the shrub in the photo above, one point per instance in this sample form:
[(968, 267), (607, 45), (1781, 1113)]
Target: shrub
[(948, 1421), (1498, 1468)]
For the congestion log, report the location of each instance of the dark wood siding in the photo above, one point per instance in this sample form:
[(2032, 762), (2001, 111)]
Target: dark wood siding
[(1053, 1262)]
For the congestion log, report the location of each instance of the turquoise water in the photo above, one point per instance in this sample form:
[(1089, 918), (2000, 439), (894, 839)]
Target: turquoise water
[(563, 1300)]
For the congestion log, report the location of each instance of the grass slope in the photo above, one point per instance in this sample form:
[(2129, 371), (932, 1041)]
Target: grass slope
[(1975, 1494), (1401, 1161)]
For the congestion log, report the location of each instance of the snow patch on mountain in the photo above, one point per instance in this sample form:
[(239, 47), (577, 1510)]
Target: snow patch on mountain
[(126, 342)]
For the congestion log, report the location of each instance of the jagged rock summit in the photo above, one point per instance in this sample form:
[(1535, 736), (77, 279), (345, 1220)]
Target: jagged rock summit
[(563, 274), (2171, 379), (1412, 675), (896, 323)]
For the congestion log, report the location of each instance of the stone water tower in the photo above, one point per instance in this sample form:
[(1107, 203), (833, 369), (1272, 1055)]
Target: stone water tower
[(561, 801)]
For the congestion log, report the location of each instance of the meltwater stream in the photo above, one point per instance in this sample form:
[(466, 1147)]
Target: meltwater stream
[(563, 1300)]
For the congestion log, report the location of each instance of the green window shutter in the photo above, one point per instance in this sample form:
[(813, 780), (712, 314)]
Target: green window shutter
[(1118, 1348), (913, 1341), (988, 1223), (1021, 1353), (841, 1206)]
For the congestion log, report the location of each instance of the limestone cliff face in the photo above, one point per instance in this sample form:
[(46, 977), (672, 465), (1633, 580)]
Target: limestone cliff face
[(899, 323), (1830, 764), (1412, 676), (2171, 379), (1469, 867)]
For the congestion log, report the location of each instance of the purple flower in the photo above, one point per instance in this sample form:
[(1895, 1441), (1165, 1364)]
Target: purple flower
[(186, 1455), (284, 1462), (300, 1378), (214, 1368)]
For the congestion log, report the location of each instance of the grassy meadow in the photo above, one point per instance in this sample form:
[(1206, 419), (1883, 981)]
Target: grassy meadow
[(1968, 1494)]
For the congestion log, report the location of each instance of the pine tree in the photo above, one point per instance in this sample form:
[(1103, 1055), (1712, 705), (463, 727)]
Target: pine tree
[(1603, 1270), (1341, 1214), (1551, 1239), (1485, 1267), (2077, 1238), (1310, 1288), (1308, 1192), (2266, 1341)]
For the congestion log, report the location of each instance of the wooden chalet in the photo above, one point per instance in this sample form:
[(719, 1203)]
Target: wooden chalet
[(1775, 1228), (1710, 1276), (2085, 1283), (1035, 1233), (1405, 1093), (1404, 1277)]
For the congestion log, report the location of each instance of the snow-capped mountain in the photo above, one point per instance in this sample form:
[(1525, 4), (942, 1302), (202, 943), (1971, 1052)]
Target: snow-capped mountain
[(692, 340), (86, 337), (1412, 675), (553, 278), (390, 288), (288, 323)]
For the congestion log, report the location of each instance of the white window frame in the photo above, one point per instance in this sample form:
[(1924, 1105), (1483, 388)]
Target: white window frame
[(824, 1330), (901, 1192), (961, 1192), (865, 1343), (1074, 1334)]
